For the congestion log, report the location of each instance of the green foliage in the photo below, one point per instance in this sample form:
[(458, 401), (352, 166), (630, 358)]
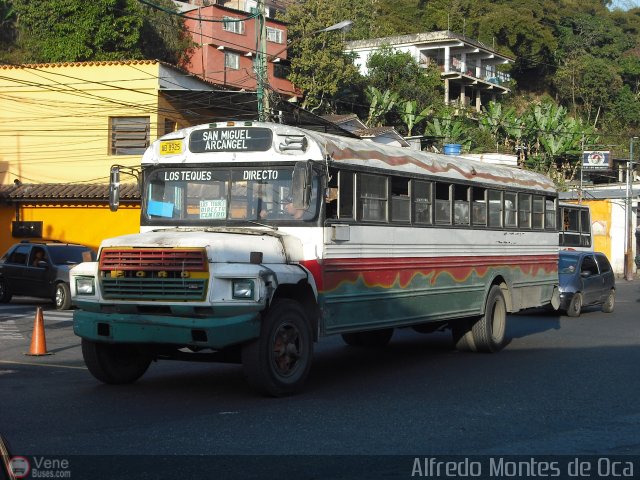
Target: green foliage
[(449, 128), (8, 18), (76, 30), (380, 103), (410, 115), (319, 67)]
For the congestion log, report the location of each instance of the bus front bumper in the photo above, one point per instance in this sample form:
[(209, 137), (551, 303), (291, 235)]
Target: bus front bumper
[(207, 332)]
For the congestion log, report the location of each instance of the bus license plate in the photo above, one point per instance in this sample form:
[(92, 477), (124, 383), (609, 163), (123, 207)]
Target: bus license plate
[(170, 147)]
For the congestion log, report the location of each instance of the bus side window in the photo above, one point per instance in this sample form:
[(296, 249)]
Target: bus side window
[(345, 194), (479, 201), (538, 212), (443, 202), (372, 203), (461, 205), (510, 209), (331, 196), (421, 193), (400, 201), (495, 208), (524, 210), (550, 213)]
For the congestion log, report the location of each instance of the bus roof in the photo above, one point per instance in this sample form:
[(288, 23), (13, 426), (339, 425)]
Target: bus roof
[(295, 144)]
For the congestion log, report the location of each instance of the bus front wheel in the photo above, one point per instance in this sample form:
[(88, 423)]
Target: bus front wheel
[(489, 331), (115, 364), (277, 363)]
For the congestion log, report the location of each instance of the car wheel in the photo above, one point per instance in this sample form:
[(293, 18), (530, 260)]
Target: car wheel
[(62, 296), (278, 361), (5, 294), (462, 335), (115, 364), (575, 307), (610, 302)]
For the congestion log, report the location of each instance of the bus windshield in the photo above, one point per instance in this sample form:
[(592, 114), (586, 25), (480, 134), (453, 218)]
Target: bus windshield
[(205, 195)]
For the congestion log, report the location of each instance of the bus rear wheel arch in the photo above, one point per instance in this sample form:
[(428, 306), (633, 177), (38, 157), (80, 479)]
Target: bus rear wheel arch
[(486, 333), (277, 363)]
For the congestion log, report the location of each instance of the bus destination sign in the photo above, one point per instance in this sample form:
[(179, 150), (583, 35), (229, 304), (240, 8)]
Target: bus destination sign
[(230, 140)]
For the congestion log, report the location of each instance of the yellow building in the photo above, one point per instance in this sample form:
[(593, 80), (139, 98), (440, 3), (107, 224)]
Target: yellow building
[(62, 126)]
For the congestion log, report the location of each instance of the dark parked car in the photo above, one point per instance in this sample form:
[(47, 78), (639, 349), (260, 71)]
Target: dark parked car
[(586, 278), (41, 269)]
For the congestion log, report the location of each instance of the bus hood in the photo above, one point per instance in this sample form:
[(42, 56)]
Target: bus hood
[(224, 245)]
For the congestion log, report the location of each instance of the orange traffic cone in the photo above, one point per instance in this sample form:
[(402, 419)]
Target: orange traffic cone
[(38, 340)]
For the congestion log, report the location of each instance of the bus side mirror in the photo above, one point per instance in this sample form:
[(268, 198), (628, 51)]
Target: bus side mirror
[(114, 188), (301, 185)]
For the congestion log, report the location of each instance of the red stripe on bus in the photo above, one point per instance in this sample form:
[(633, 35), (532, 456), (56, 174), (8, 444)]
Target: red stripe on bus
[(385, 272)]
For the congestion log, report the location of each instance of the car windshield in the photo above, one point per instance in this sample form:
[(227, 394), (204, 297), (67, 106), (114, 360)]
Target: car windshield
[(70, 255), (567, 264)]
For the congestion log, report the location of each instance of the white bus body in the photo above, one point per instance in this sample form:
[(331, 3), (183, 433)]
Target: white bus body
[(257, 239)]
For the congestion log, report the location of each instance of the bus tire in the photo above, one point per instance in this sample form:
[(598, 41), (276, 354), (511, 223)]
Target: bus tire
[(575, 307), (489, 331), (277, 363), (462, 335), (370, 339), (610, 302), (115, 364)]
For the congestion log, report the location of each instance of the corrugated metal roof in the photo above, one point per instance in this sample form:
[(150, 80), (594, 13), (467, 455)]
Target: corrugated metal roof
[(58, 192), (84, 64)]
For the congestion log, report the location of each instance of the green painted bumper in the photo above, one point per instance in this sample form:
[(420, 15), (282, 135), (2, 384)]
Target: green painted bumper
[(212, 332)]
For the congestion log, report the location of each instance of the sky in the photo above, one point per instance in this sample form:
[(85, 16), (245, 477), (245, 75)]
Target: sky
[(625, 4)]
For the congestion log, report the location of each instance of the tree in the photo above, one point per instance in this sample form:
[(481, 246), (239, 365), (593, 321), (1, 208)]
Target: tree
[(380, 103), (319, 66), (76, 30), (590, 83), (400, 72)]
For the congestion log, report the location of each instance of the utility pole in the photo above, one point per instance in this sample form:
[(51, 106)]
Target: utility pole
[(261, 63), (628, 254)]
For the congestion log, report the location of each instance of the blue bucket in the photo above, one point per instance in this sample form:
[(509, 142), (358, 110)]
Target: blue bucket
[(452, 149)]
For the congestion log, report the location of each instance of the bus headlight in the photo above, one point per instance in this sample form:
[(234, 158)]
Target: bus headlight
[(85, 286), (243, 289)]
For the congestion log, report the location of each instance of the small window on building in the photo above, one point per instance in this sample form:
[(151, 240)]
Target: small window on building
[(129, 135), (232, 24), (232, 60), (373, 198), (281, 70), (345, 195), (274, 35), (421, 192)]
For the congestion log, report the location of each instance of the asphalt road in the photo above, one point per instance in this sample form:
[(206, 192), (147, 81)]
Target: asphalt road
[(562, 386)]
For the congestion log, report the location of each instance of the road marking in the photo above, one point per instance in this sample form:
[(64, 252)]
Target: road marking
[(9, 331), (42, 364)]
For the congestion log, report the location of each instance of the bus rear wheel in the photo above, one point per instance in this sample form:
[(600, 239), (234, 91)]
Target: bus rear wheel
[(277, 363), (489, 331), (115, 364)]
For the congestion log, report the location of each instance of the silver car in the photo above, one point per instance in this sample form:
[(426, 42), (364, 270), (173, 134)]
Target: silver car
[(586, 278)]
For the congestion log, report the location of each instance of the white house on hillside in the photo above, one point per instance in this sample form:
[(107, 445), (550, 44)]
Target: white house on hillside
[(467, 67)]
